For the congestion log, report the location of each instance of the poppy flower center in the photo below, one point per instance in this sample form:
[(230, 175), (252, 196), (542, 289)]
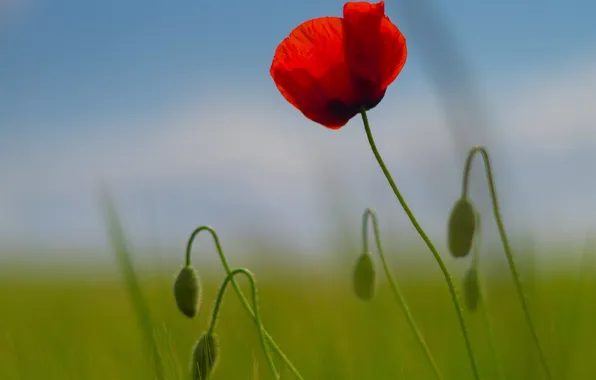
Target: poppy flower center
[(340, 108), (343, 110)]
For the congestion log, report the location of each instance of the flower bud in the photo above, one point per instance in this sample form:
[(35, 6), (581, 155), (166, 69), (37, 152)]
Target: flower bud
[(462, 225), (471, 289), (187, 291), (365, 277), (204, 357)]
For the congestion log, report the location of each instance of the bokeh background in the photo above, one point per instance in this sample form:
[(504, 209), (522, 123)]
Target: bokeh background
[(171, 106)]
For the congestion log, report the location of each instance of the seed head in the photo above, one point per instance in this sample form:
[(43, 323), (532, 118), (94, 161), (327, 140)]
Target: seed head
[(204, 357), (365, 277), (187, 291), (462, 225), (471, 289)]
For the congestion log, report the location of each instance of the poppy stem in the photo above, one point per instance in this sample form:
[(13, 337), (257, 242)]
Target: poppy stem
[(483, 300), (371, 215), (429, 244), (255, 303), (239, 293), (506, 246)]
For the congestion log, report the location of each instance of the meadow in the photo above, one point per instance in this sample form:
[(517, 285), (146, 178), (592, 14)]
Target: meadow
[(81, 324), (99, 80)]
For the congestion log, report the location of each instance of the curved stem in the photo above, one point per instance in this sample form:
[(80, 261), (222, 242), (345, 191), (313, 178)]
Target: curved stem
[(506, 245), (431, 247), (483, 304), (238, 291), (370, 214), (255, 305)]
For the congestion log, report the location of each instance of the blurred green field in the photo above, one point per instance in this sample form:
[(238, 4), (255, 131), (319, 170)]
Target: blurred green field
[(82, 326)]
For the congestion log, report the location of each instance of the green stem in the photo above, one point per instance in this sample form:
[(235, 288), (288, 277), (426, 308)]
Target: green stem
[(239, 293), (255, 305), (506, 246), (370, 213), (404, 205), (483, 304)]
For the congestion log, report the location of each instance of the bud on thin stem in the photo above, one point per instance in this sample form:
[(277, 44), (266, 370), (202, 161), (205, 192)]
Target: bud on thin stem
[(471, 288), (187, 291), (365, 265), (204, 356), (365, 277), (461, 228), (506, 245), (239, 293), (427, 241), (255, 302)]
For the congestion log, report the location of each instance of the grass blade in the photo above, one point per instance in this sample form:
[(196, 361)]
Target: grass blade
[(140, 306)]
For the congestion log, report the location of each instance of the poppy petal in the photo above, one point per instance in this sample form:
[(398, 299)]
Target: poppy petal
[(330, 67), (375, 48), (310, 71)]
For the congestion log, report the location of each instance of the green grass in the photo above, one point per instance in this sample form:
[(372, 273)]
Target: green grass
[(84, 327)]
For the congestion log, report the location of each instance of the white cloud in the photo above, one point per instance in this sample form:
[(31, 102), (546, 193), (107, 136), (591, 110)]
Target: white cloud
[(552, 110), (266, 150)]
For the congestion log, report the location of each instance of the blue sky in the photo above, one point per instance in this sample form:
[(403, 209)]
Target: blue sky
[(172, 105)]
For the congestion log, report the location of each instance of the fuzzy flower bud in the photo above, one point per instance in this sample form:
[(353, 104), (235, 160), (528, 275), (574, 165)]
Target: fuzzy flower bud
[(365, 277), (471, 289), (187, 291), (462, 225), (204, 357)]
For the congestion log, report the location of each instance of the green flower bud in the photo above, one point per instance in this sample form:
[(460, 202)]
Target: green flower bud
[(462, 225), (365, 277), (471, 289), (204, 357), (187, 291)]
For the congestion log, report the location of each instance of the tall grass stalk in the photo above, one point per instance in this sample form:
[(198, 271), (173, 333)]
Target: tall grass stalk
[(140, 306)]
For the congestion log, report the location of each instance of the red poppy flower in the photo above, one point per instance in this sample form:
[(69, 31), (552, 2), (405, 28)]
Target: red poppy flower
[(330, 67)]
